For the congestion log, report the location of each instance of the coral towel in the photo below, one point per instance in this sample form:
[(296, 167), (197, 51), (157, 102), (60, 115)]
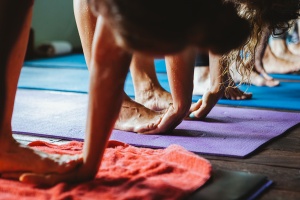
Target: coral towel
[(126, 172)]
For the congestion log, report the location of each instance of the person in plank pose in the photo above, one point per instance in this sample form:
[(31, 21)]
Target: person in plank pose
[(122, 29)]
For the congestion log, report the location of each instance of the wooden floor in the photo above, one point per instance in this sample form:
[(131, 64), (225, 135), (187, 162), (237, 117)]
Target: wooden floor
[(279, 160)]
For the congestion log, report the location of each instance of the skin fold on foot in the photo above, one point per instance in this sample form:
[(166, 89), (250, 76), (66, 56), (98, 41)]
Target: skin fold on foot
[(137, 118), (154, 98)]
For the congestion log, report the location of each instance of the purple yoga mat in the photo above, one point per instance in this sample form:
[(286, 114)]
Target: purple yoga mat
[(227, 131)]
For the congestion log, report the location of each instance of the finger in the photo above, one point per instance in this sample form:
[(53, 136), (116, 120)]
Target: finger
[(167, 124), (195, 106), (38, 179), (49, 179), (161, 128), (201, 113), (11, 175)]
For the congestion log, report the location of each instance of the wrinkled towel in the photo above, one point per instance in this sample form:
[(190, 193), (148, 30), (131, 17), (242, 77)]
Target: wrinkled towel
[(126, 172)]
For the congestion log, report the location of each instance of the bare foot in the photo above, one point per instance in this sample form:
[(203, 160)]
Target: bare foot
[(273, 64), (201, 80), (153, 96), (258, 80), (16, 159), (137, 118), (234, 93), (281, 50), (147, 88), (255, 78)]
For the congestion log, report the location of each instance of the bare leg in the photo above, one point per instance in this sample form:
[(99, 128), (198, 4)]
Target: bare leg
[(180, 69), (274, 64), (109, 66), (15, 22), (255, 78), (201, 80), (148, 91), (133, 116)]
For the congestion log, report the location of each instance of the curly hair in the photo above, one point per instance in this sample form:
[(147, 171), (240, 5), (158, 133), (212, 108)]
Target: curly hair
[(270, 14)]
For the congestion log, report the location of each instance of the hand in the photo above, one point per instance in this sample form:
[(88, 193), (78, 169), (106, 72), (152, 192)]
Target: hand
[(80, 174), (17, 159), (172, 118), (203, 106)]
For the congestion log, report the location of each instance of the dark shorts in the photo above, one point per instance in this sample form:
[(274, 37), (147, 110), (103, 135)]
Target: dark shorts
[(202, 60)]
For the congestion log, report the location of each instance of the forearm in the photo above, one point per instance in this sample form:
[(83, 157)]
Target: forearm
[(218, 79), (109, 67), (15, 22), (180, 70)]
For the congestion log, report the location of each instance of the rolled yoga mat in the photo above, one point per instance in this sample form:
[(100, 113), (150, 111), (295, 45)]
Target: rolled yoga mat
[(227, 131), (54, 48), (76, 80)]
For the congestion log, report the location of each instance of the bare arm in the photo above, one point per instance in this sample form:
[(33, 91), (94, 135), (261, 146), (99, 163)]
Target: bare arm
[(200, 109), (180, 68), (219, 82), (109, 67)]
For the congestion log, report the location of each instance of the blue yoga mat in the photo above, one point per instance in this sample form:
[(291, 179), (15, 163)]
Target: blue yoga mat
[(286, 96), (78, 61), (294, 77), (65, 61), (56, 79), (160, 67)]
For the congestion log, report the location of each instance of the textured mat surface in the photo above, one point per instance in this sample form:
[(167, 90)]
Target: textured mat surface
[(227, 131)]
